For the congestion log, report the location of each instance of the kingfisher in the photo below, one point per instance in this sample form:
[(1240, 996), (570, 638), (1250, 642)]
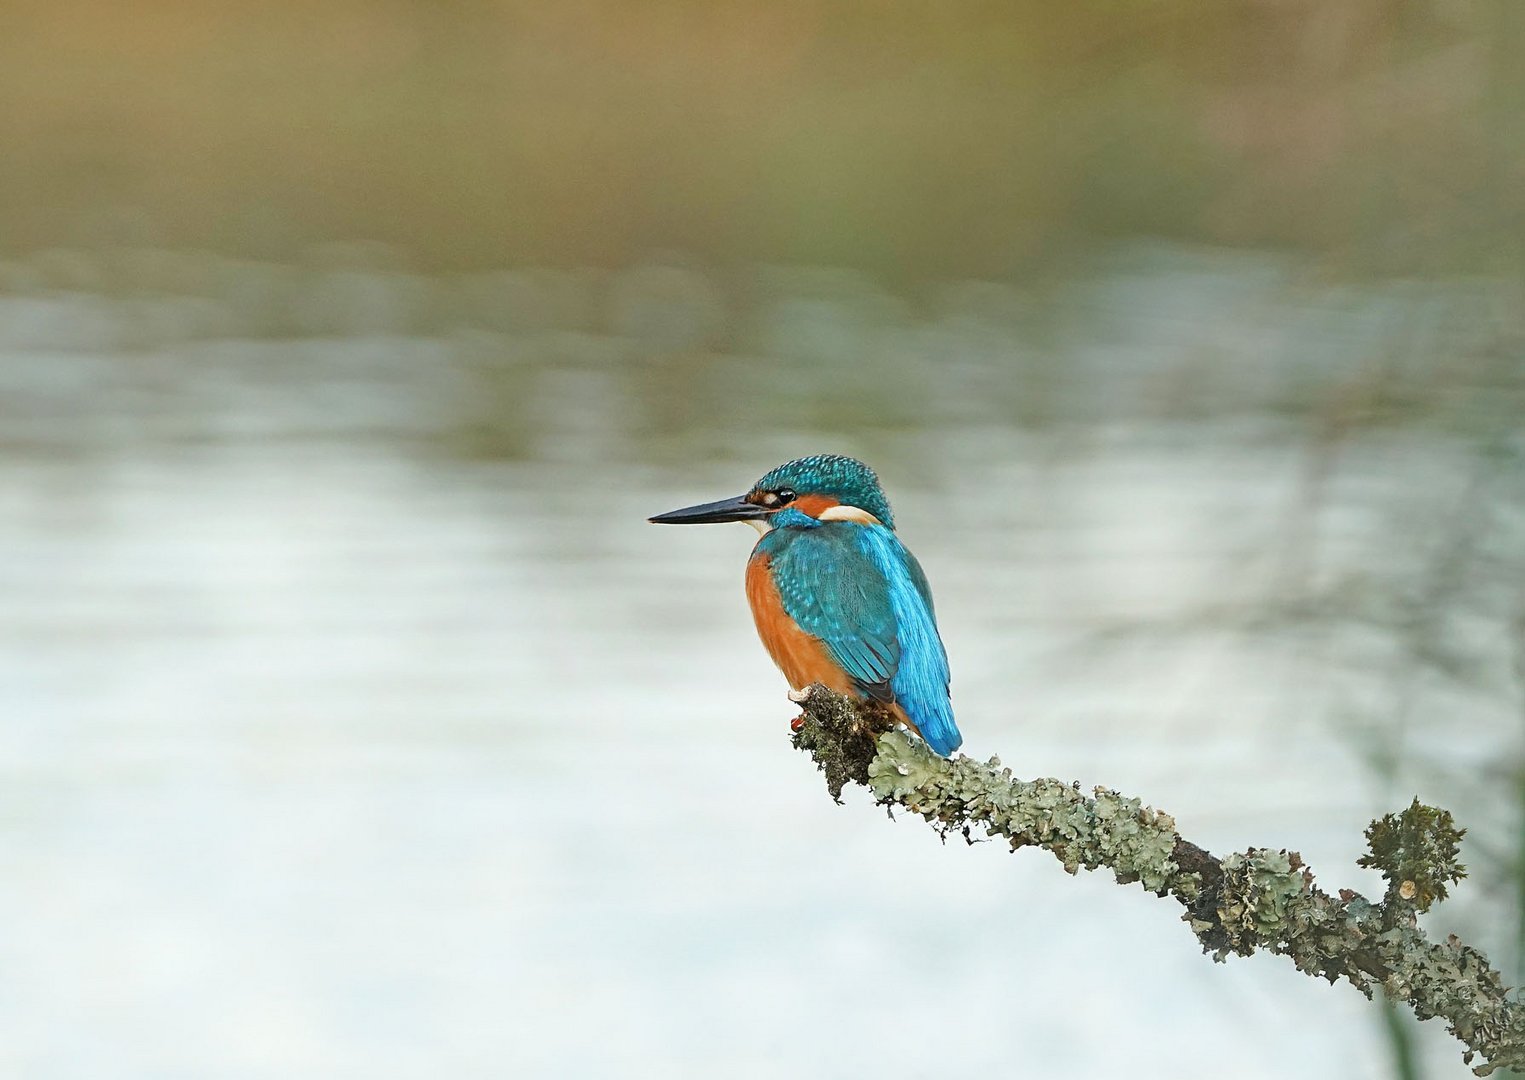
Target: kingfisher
[(837, 598)]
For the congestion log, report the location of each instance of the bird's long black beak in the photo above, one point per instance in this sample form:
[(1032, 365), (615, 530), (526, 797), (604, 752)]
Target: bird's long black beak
[(737, 509)]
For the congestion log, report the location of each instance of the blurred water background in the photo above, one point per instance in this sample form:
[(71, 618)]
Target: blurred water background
[(353, 723)]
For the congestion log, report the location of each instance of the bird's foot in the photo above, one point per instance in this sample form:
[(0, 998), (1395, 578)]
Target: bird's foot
[(799, 697)]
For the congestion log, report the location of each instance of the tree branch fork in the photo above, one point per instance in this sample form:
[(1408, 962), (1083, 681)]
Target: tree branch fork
[(1257, 899)]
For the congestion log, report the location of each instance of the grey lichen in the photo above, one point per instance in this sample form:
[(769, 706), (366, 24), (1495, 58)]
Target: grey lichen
[(1256, 899)]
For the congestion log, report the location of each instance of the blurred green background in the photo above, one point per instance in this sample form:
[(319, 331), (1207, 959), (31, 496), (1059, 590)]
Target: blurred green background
[(905, 140), (354, 723)]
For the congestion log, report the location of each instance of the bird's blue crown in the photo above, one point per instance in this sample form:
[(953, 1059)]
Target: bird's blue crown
[(845, 479)]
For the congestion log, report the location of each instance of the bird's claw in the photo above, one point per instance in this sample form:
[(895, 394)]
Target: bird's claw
[(799, 697)]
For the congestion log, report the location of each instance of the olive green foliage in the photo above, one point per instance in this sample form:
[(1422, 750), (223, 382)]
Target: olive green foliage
[(840, 735), (1256, 899), (1416, 852)]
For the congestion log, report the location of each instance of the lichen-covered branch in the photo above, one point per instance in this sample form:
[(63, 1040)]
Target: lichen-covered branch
[(1255, 899)]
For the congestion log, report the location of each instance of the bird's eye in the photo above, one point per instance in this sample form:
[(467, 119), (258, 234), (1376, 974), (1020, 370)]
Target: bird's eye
[(774, 499)]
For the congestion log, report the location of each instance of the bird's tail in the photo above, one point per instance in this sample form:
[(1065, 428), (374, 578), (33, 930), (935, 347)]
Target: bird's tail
[(935, 726)]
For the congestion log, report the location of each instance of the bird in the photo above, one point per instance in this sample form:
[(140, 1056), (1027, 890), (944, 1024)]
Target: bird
[(837, 598)]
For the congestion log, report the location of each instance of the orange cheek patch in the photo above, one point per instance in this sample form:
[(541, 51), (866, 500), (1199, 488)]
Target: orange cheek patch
[(814, 505)]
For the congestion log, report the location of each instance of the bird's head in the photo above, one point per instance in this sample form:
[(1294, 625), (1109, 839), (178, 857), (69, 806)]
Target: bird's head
[(822, 487)]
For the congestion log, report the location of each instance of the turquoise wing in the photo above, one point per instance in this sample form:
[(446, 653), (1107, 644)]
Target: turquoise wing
[(865, 596), (921, 683), (834, 591)]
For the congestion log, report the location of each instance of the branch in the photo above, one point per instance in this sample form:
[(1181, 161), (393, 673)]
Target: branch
[(1256, 899)]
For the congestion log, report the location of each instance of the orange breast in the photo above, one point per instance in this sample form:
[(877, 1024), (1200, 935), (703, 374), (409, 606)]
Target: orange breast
[(803, 658)]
